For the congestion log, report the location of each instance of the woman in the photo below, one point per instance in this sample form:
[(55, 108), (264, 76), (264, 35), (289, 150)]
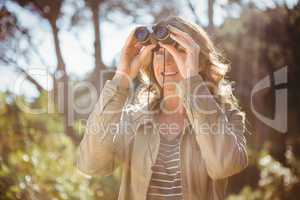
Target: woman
[(183, 137)]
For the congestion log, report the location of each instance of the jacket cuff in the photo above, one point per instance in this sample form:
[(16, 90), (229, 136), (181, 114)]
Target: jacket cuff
[(115, 85)]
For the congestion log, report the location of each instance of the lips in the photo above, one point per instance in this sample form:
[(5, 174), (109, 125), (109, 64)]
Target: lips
[(168, 73)]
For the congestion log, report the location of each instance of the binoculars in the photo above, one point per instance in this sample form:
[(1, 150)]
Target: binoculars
[(159, 33)]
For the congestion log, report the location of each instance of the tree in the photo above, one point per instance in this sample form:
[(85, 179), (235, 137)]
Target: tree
[(94, 6), (262, 42), (10, 35), (51, 11)]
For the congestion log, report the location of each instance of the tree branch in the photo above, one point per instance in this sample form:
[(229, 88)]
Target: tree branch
[(27, 76), (197, 19)]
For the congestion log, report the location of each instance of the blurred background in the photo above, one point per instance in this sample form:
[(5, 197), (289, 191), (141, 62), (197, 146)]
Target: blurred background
[(49, 47)]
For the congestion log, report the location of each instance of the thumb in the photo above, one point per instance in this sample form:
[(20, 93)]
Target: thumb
[(147, 52), (143, 59)]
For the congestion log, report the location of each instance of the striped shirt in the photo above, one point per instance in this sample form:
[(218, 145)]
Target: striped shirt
[(165, 182)]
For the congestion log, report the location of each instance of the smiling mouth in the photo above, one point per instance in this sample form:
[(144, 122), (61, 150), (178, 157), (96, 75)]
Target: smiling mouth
[(168, 73)]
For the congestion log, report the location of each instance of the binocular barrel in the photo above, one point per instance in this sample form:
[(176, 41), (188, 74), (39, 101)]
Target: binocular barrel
[(159, 33)]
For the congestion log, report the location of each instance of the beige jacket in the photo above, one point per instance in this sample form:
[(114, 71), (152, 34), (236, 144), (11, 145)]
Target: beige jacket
[(213, 149)]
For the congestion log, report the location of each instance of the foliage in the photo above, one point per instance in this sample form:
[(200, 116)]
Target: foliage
[(37, 159), (259, 43)]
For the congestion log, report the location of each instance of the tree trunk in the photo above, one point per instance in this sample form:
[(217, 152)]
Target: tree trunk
[(210, 13), (62, 84), (99, 65)]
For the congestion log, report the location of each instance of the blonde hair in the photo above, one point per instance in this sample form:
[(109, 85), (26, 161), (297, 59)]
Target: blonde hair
[(212, 64)]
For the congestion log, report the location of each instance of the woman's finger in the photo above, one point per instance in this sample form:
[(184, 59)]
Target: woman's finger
[(141, 60), (147, 51), (181, 41), (132, 47), (138, 47), (172, 50), (177, 31), (131, 40), (189, 47)]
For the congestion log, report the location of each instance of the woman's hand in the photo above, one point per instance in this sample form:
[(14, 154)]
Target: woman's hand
[(188, 62), (133, 57)]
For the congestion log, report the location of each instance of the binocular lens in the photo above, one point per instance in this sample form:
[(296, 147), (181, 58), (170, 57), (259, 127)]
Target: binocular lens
[(142, 34), (161, 32)]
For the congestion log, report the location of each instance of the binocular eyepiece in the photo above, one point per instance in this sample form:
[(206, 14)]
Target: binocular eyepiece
[(159, 33)]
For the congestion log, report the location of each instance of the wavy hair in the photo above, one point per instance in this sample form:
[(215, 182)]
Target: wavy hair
[(212, 63)]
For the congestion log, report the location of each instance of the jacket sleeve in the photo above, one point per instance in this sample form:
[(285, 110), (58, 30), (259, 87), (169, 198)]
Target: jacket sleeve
[(219, 129), (102, 146)]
